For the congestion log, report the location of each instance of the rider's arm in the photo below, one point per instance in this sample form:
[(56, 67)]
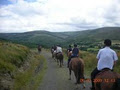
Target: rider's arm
[(115, 58), (115, 63)]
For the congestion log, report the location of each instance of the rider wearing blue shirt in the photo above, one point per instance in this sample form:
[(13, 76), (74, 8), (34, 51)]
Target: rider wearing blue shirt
[(75, 51)]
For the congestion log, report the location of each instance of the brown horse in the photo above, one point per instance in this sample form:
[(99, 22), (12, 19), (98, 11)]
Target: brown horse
[(77, 66), (69, 54), (59, 57), (107, 80), (39, 49), (54, 55)]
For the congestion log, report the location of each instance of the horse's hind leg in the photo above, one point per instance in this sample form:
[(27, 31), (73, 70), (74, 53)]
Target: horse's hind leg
[(69, 74), (76, 76), (60, 63), (57, 62)]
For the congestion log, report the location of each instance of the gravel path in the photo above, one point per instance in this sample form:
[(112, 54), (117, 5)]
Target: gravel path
[(56, 78)]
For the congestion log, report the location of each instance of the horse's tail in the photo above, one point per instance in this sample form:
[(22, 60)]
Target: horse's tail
[(80, 71)]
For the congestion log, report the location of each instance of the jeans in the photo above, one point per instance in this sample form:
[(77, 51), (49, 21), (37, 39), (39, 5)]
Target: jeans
[(93, 75)]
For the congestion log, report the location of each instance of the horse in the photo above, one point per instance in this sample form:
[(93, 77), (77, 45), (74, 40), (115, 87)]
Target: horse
[(77, 66), (39, 49), (107, 80), (52, 51), (59, 56), (69, 54), (54, 55)]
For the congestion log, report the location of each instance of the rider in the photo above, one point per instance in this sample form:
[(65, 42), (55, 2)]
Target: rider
[(106, 59), (75, 53), (58, 49), (69, 50)]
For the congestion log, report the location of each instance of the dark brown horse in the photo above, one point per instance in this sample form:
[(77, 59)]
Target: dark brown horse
[(77, 66), (39, 48), (59, 57), (107, 80)]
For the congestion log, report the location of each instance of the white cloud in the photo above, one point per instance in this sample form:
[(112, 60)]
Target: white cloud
[(58, 15)]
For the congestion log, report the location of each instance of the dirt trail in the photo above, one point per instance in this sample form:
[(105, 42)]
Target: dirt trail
[(56, 78)]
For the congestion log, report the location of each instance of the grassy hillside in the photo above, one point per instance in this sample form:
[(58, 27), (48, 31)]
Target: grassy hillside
[(32, 39), (18, 65), (30, 75), (11, 56), (47, 39)]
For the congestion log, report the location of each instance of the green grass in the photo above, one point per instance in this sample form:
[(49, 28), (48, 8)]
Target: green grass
[(117, 67), (90, 61), (29, 79), (22, 63), (11, 56)]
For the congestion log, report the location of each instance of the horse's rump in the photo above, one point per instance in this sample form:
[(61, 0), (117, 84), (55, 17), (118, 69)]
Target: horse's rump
[(106, 79), (77, 65), (59, 56), (39, 49)]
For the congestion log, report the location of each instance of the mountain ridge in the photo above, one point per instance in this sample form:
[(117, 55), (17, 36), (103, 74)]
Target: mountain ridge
[(48, 39)]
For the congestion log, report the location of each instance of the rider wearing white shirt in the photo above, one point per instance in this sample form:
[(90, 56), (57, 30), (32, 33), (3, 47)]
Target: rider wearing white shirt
[(59, 49), (106, 59)]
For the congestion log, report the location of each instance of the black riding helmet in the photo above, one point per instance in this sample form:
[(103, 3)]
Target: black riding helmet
[(75, 45)]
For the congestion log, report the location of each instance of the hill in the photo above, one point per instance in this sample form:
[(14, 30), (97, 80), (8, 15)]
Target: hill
[(47, 39), (34, 38)]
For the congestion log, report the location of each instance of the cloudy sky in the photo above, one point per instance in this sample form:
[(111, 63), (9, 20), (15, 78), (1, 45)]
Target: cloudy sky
[(58, 15)]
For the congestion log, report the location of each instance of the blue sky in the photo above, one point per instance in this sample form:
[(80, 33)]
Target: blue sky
[(58, 15)]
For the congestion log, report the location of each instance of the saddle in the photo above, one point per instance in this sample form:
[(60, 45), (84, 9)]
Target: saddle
[(74, 56), (103, 71)]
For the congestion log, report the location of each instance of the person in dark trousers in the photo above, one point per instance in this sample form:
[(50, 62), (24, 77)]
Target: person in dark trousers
[(106, 59), (69, 50)]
